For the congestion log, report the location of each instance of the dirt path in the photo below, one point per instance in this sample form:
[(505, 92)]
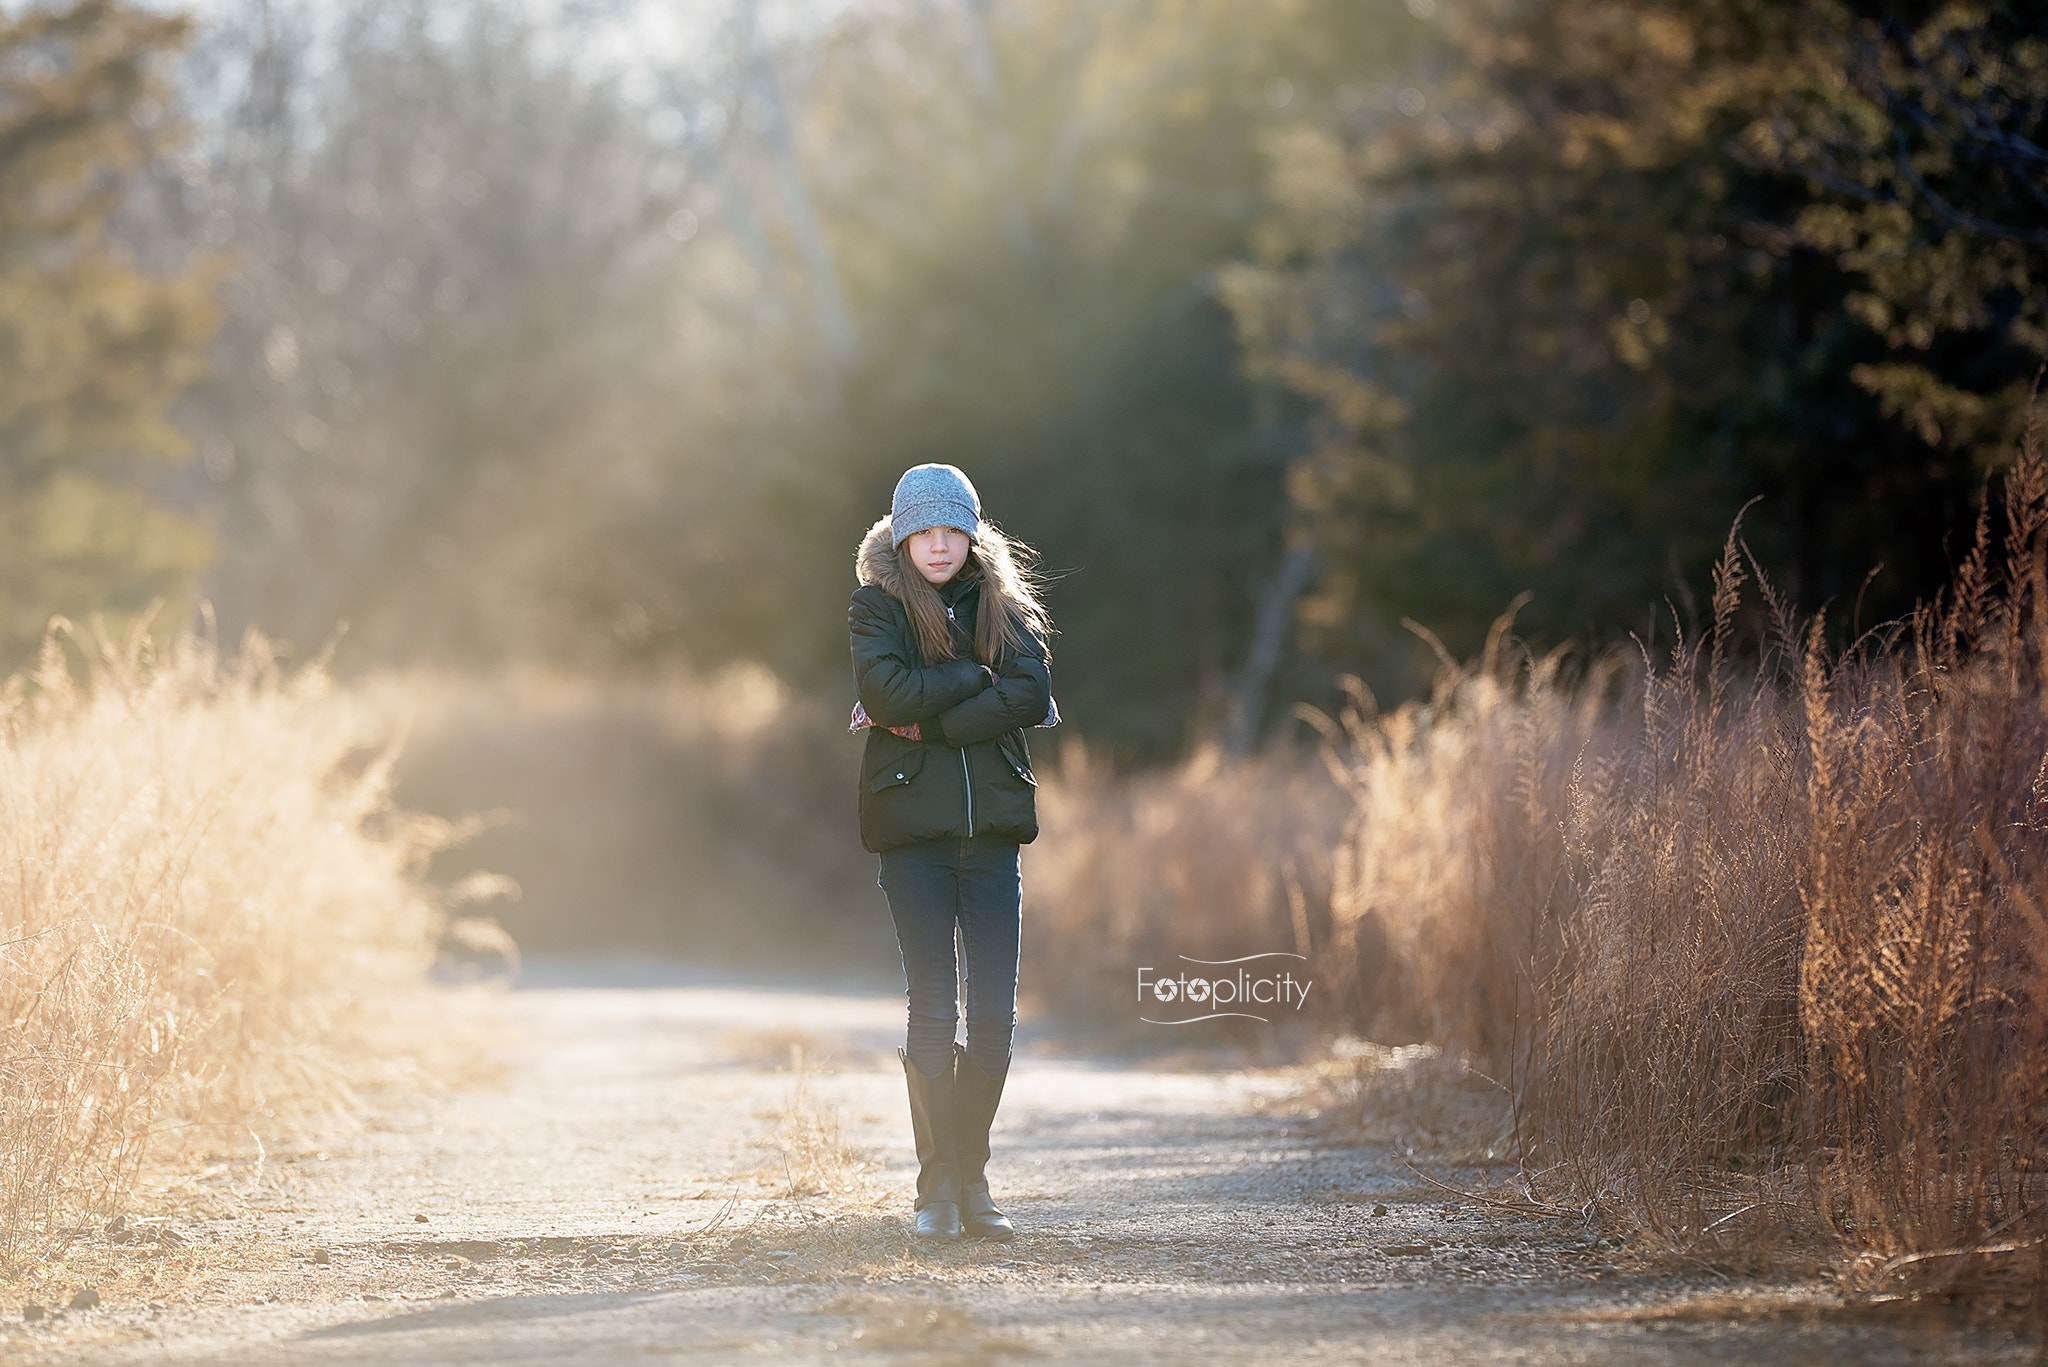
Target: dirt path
[(613, 1202)]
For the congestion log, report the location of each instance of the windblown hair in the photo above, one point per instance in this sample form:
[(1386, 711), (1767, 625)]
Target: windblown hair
[(1011, 609)]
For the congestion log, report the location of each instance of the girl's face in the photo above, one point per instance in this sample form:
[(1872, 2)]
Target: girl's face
[(938, 552)]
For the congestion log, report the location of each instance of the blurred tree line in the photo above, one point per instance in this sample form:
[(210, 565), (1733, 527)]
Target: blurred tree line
[(1271, 322), (1608, 270)]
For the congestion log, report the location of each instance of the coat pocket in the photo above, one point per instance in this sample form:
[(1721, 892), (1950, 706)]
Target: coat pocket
[(1011, 748), (896, 772)]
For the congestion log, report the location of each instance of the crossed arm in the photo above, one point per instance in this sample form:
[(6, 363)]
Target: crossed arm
[(896, 691), (1019, 696), (959, 702)]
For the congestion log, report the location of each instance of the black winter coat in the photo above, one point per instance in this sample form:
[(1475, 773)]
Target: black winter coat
[(971, 774)]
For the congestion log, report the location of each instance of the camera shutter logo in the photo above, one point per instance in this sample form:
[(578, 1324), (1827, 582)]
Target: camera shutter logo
[(1259, 979)]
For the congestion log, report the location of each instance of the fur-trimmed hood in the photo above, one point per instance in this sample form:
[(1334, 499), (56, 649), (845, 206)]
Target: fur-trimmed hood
[(876, 563)]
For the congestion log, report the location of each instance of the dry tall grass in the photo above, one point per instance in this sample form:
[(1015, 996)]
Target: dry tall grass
[(1590, 887), (1923, 983), (1212, 860), (1755, 939), (207, 913), (1757, 945)]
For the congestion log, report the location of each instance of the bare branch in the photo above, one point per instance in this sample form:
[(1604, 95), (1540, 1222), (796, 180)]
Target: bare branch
[(2035, 237)]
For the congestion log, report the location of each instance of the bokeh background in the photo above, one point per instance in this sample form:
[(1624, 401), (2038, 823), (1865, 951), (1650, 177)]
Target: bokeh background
[(542, 364)]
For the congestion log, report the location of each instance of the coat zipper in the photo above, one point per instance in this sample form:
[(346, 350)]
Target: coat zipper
[(968, 780)]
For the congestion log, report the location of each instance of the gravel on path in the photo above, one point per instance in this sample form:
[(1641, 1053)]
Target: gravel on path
[(704, 1174)]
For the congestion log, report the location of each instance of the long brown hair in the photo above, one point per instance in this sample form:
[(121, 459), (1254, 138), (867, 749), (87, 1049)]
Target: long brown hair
[(1010, 603)]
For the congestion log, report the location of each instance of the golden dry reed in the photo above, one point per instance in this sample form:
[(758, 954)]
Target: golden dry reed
[(207, 914), (1755, 934), (1215, 859)]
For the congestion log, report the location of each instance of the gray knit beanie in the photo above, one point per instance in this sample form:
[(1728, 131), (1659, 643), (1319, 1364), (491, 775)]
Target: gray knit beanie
[(934, 496)]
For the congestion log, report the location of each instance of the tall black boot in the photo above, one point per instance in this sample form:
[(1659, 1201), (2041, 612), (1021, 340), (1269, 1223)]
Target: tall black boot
[(977, 1095), (933, 1124)]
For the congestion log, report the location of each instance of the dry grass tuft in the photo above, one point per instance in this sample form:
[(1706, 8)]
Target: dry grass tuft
[(208, 913), (810, 1138)]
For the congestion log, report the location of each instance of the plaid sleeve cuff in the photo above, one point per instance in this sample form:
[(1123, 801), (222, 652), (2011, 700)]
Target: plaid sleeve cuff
[(860, 721)]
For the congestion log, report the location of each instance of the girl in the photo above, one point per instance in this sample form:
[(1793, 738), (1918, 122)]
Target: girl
[(950, 663)]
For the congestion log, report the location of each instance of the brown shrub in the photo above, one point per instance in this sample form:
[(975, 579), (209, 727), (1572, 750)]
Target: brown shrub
[(207, 914)]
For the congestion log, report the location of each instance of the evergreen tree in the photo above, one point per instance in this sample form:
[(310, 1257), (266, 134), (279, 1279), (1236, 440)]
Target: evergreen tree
[(1607, 270), (93, 349)]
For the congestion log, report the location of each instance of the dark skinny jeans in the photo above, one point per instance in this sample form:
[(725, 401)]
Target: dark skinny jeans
[(934, 888)]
